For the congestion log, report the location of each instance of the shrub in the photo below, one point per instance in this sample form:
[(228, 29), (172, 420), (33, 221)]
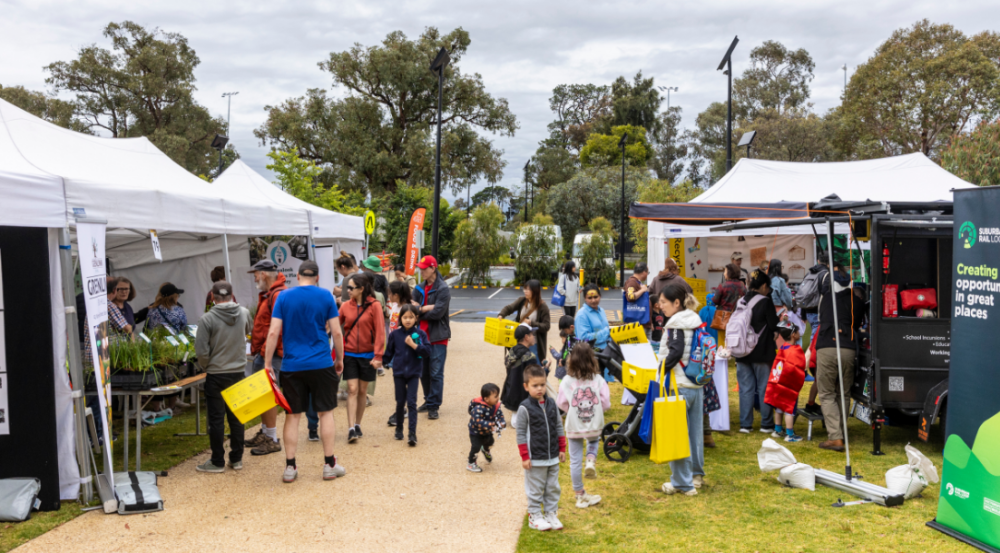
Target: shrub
[(538, 251), (478, 243), (595, 252)]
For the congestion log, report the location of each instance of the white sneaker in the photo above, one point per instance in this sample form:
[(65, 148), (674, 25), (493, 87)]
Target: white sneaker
[(553, 521), (584, 500), (291, 473), (590, 471), (766, 430), (698, 481), (744, 430), (775, 434), (669, 489), (538, 522), (334, 472)]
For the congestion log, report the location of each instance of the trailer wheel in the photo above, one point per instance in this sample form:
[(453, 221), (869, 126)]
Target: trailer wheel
[(618, 448), (609, 429)]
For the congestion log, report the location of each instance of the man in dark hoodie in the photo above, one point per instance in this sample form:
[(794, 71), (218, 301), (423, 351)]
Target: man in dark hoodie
[(849, 314), (669, 275), (433, 297), (221, 345)]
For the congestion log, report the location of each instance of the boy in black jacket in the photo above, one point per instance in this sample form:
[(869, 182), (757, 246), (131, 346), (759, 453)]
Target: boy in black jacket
[(517, 359), (485, 418)]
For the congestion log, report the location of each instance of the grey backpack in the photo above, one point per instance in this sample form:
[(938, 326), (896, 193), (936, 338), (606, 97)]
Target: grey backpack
[(740, 336), (807, 295)]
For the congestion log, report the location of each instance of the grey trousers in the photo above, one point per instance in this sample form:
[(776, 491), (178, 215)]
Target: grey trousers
[(576, 455), (541, 485), (828, 383)]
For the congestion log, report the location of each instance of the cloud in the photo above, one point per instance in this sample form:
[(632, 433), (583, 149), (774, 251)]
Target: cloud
[(268, 51)]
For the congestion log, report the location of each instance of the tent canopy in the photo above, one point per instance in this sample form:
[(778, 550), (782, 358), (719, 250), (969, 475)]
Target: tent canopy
[(704, 214), (239, 180), (49, 175)]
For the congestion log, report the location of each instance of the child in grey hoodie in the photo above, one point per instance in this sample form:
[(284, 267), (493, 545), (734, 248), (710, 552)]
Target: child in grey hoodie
[(221, 347)]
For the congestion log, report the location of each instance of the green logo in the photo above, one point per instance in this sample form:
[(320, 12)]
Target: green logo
[(967, 232)]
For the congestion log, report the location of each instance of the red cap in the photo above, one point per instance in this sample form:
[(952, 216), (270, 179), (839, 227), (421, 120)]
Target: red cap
[(427, 262)]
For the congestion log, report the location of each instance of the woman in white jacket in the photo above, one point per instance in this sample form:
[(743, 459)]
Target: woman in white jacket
[(675, 350), (569, 286)]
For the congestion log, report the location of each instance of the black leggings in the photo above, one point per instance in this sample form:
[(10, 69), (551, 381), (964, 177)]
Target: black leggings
[(569, 310), (479, 442), (406, 396)]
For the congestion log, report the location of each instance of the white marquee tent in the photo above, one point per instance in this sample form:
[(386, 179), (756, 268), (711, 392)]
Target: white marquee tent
[(50, 176), (909, 178)]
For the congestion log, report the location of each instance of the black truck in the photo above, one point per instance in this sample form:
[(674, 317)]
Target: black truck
[(901, 373)]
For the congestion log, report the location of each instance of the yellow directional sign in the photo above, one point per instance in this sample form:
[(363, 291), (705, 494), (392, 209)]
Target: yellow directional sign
[(369, 222)]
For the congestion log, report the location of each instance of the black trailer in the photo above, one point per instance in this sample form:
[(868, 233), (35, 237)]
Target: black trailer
[(902, 366)]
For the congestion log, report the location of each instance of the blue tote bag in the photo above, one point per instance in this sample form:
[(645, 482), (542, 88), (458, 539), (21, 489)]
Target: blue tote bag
[(558, 299), (646, 424), (636, 312)]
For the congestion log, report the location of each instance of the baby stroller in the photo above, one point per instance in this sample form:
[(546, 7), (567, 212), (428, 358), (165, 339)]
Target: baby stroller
[(621, 438)]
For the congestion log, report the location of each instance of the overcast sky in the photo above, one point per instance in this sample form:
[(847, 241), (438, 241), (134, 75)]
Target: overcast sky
[(268, 51)]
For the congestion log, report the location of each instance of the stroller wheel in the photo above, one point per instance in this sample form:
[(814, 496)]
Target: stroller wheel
[(618, 448), (609, 429)]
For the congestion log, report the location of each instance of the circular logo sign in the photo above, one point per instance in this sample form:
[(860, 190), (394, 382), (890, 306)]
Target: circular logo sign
[(279, 254), (369, 222), (967, 232)]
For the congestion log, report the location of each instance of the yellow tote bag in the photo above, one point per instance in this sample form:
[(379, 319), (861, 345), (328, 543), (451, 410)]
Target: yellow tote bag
[(670, 430)]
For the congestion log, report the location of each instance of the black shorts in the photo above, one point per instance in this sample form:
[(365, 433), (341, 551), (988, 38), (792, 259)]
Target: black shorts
[(358, 368), (321, 384)]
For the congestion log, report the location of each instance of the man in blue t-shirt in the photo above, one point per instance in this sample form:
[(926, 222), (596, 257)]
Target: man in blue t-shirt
[(305, 317)]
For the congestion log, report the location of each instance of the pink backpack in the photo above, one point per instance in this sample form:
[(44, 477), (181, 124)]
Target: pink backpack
[(740, 336)]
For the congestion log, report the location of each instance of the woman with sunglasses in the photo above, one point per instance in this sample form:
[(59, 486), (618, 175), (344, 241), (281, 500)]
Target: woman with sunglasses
[(364, 343), (532, 310)]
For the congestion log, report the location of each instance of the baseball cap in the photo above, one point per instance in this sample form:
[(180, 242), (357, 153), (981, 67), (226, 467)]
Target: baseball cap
[(373, 263), (169, 290), (736, 255), (222, 289), (427, 262), (264, 265), (522, 330), (308, 268)]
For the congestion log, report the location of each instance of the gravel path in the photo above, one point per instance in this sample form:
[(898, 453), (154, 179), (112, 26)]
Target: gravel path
[(393, 497)]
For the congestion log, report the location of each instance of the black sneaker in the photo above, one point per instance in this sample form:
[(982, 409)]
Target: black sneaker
[(433, 414), (399, 433), (357, 430), (413, 439), (423, 408), (392, 419), (352, 436), (313, 435), (487, 455)]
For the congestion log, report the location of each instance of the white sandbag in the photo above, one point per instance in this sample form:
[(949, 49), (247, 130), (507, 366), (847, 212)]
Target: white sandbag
[(920, 462), (773, 456), (905, 480), (799, 475)]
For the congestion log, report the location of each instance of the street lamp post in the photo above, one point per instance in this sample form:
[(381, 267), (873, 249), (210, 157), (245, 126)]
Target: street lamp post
[(667, 89), (526, 166), (229, 113), (437, 66), (845, 77), (219, 143), (621, 238), (727, 63)]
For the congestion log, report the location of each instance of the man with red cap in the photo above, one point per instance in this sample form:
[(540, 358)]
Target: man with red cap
[(433, 297)]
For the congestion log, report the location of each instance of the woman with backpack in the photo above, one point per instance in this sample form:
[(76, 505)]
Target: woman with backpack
[(750, 339), (364, 342), (569, 286), (675, 350)]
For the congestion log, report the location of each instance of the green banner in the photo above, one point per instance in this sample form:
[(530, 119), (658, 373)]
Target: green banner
[(969, 506)]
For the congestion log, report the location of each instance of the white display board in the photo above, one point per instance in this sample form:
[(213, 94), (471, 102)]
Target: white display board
[(706, 257)]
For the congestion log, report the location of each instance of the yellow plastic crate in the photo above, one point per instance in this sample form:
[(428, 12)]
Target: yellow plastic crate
[(250, 397), (631, 333), (637, 378), (500, 332)]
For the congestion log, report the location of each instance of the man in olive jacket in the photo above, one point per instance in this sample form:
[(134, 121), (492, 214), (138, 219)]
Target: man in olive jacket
[(221, 347)]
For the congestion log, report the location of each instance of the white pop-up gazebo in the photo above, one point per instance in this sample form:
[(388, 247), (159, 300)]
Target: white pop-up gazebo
[(51, 177)]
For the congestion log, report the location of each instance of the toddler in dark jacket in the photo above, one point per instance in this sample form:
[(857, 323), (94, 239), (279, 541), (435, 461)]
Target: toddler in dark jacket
[(485, 417)]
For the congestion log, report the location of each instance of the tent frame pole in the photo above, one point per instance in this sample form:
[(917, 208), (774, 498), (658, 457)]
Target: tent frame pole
[(312, 244), (848, 473), (225, 257), (75, 363)]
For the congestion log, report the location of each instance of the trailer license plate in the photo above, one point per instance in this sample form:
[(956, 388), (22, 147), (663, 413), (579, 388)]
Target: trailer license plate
[(862, 413)]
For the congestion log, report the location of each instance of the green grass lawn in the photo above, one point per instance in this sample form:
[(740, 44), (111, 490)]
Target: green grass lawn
[(160, 451), (742, 509)]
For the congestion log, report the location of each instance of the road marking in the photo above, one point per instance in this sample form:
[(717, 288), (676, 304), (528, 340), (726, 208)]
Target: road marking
[(456, 313), (495, 293)]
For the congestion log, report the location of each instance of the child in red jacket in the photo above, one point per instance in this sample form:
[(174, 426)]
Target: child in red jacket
[(787, 376)]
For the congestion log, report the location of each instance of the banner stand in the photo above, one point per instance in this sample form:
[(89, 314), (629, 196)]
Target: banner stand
[(962, 537)]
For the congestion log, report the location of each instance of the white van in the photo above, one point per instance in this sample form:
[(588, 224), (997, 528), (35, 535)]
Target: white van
[(578, 242), (556, 242)]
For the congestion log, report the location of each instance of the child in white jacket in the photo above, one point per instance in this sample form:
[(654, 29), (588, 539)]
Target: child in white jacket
[(584, 396), (675, 350)]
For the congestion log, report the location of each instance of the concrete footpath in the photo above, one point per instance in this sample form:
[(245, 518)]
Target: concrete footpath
[(393, 497)]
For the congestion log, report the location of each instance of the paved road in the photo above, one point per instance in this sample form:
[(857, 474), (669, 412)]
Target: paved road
[(471, 304)]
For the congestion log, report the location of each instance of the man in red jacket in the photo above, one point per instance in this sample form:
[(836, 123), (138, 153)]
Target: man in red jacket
[(269, 283)]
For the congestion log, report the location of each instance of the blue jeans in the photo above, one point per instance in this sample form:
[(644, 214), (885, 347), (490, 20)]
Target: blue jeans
[(813, 320), (752, 378), (684, 470), (433, 381)]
